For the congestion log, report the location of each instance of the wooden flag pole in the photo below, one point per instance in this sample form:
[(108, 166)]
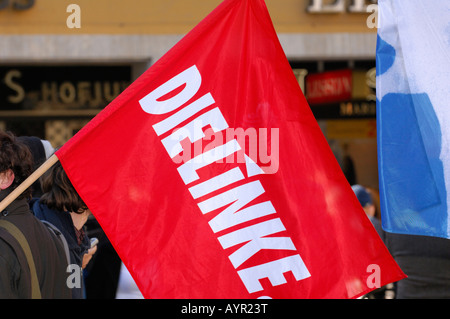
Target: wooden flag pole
[(28, 182)]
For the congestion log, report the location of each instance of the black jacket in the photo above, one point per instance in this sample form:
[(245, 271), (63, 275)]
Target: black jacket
[(48, 254), (426, 262), (63, 221)]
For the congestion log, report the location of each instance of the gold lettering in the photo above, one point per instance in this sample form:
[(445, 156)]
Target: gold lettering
[(20, 93), (67, 92), (84, 92), (49, 92), (111, 90)]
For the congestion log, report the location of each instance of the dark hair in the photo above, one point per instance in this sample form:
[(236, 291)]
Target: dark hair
[(59, 193), (16, 156)]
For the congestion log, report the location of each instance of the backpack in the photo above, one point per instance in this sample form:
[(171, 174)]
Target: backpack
[(20, 238)]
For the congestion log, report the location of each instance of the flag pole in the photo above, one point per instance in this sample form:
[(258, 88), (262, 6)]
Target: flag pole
[(28, 182)]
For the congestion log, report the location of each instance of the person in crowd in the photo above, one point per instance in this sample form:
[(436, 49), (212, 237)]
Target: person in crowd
[(348, 166), (366, 200), (375, 194), (61, 206), (424, 259), (41, 150), (102, 274), (426, 262), (32, 259), (106, 277)]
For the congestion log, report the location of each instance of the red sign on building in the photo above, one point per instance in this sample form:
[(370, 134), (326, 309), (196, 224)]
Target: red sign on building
[(328, 87)]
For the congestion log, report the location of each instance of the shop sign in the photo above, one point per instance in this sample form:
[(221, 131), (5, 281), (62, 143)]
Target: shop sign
[(339, 6), (329, 87), (358, 109), (355, 109), (17, 4), (61, 87), (344, 129)]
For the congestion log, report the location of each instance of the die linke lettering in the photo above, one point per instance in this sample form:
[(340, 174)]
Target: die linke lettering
[(246, 241)]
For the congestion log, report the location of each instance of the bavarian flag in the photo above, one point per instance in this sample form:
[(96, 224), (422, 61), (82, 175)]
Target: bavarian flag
[(413, 116)]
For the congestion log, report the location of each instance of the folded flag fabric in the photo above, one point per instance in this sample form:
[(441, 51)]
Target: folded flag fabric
[(413, 116), (212, 179)]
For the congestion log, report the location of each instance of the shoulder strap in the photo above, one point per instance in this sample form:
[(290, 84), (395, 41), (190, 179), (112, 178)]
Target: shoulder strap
[(18, 235), (60, 235)]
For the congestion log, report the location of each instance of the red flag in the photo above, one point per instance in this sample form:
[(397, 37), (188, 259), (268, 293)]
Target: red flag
[(197, 211)]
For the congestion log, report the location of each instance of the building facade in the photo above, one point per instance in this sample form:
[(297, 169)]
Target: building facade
[(62, 61)]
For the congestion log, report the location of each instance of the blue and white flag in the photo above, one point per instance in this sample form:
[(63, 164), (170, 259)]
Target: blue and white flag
[(413, 116)]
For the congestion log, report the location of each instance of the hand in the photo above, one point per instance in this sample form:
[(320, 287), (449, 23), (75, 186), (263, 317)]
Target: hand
[(87, 257)]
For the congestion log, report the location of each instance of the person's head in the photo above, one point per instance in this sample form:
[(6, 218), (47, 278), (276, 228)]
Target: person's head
[(38, 152), (365, 199), (16, 163), (59, 194)]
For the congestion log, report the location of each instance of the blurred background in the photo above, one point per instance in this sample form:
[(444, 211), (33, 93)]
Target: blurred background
[(62, 61)]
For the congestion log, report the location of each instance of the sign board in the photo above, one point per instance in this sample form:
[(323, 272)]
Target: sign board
[(328, 87), (24, 88)]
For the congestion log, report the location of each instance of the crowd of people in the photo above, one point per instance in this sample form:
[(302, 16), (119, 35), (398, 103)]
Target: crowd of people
[(48, 235), (46, 232)]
